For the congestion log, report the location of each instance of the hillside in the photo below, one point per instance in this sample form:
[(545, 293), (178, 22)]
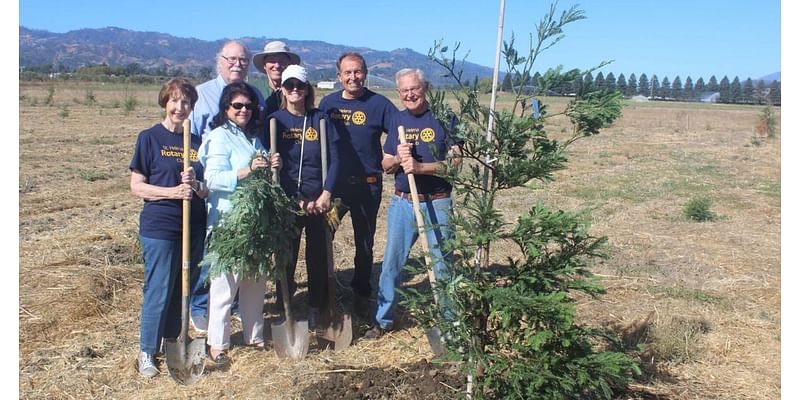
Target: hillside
[(151, 50)]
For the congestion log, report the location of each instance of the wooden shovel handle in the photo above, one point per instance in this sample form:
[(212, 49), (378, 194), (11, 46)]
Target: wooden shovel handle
[(412, 183), (273, 144)]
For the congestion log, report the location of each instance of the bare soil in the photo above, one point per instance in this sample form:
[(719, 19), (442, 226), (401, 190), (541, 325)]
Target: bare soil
[(702, 299)]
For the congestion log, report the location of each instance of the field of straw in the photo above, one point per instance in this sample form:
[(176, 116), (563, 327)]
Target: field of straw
[(701, 300)]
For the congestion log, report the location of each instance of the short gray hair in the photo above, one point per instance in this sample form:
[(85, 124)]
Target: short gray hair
[(226, 44), (408, 71)]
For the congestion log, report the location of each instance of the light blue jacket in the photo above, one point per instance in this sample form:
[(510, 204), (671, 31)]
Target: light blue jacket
[(224, 151)]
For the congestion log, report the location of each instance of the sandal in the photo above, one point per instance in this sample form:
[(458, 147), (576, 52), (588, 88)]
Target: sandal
[(221, 360)]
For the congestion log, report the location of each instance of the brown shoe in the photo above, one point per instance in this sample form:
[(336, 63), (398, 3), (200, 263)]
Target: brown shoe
[(374, 333)]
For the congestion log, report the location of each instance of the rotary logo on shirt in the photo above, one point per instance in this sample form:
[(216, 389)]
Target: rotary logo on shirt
[(359, 118), (177, 153), (311, 134), (427, 135)]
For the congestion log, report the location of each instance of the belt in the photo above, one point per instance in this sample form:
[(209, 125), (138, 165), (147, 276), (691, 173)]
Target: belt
[(368, 179), (422, 197)]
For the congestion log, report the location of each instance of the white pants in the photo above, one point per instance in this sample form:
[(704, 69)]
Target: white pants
[(251, 306)]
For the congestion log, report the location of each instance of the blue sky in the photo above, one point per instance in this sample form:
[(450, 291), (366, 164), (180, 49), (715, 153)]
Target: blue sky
[(667, 38)]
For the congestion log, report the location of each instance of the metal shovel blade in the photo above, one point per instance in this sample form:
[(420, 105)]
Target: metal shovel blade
[(434, 336), (338, 334), (185, 361), (290, 341)]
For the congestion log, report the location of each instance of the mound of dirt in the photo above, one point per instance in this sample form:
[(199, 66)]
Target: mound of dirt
[(420, 380)]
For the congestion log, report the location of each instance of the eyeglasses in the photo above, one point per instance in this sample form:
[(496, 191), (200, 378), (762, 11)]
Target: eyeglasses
[(416, 90), (249, 106), (233, 60), (294, 85)]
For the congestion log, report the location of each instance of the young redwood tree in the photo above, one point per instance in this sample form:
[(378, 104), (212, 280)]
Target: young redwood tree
[(512, 323)]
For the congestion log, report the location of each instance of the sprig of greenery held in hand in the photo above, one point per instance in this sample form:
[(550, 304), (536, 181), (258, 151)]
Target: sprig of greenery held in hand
[(258, 225)]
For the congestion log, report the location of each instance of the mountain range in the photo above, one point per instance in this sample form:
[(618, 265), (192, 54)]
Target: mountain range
[(151, 50)]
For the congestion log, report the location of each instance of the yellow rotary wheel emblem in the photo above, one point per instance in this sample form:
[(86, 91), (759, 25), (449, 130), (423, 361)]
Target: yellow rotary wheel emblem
[(311, 134), (359, 118), (427, 135)]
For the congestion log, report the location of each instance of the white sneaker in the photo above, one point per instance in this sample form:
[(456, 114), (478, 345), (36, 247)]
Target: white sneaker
[(146, 365)]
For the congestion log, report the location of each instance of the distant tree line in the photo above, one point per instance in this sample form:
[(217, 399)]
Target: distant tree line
[(131, 73), (722, 91)]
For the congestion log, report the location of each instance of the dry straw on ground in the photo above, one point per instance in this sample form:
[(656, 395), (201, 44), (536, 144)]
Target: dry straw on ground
[(716, 283)]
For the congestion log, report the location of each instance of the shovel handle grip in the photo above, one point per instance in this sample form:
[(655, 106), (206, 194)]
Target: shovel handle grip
[(273, 144)]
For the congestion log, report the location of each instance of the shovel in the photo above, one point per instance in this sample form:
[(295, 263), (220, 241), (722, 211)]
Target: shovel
[(290, 338), (185, 357), (337, 332), (434, 335)]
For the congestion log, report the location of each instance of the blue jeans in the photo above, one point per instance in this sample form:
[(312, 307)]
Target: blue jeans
[(161, 305), (364, 201), (401, 233)]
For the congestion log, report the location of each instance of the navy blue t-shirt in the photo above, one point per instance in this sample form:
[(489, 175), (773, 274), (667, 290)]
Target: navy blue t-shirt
[(359, 123), (159, 157), (291, 144), (431, 143)]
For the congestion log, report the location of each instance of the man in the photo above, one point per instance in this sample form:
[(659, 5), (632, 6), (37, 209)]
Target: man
[(360, 117), (233, 60), (271, 62), (425, 155)]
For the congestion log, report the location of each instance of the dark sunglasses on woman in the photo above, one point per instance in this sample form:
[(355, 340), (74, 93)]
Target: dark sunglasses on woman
[(290, 85), (249, 106)]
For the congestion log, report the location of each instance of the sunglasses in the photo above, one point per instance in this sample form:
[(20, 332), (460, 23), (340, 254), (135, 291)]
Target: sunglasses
[(290, 85), (249, 106)]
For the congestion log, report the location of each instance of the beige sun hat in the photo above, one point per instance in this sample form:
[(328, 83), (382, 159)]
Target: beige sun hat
[(274, 47)]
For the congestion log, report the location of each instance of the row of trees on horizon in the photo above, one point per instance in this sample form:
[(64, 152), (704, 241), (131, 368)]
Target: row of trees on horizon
[(730, 91)]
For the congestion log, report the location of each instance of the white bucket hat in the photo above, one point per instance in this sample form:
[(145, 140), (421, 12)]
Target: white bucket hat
[(274, 47), (296, 72)]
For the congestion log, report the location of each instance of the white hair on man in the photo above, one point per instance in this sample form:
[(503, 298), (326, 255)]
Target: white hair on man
[(415, 71), (219, 59)]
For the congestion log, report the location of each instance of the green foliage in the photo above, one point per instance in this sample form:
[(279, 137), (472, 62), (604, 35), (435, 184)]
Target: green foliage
[(129, 105), (767, 124), (64, 112), (699, 209), (513, 325), (89, 98), (48, 101), (258, 225)]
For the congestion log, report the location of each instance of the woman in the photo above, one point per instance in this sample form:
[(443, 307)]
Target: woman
[(157, 177), (298, 125), (228, 156)]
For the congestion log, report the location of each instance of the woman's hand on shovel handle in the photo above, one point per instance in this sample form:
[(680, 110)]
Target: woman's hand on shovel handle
[(183, 191), (275, 161)]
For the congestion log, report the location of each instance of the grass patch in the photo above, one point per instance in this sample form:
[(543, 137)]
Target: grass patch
[(98, 141), (91, 176), (677, 339), (688, 294), (699, 209), (674, 339), (129, 105), (770, 188)]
